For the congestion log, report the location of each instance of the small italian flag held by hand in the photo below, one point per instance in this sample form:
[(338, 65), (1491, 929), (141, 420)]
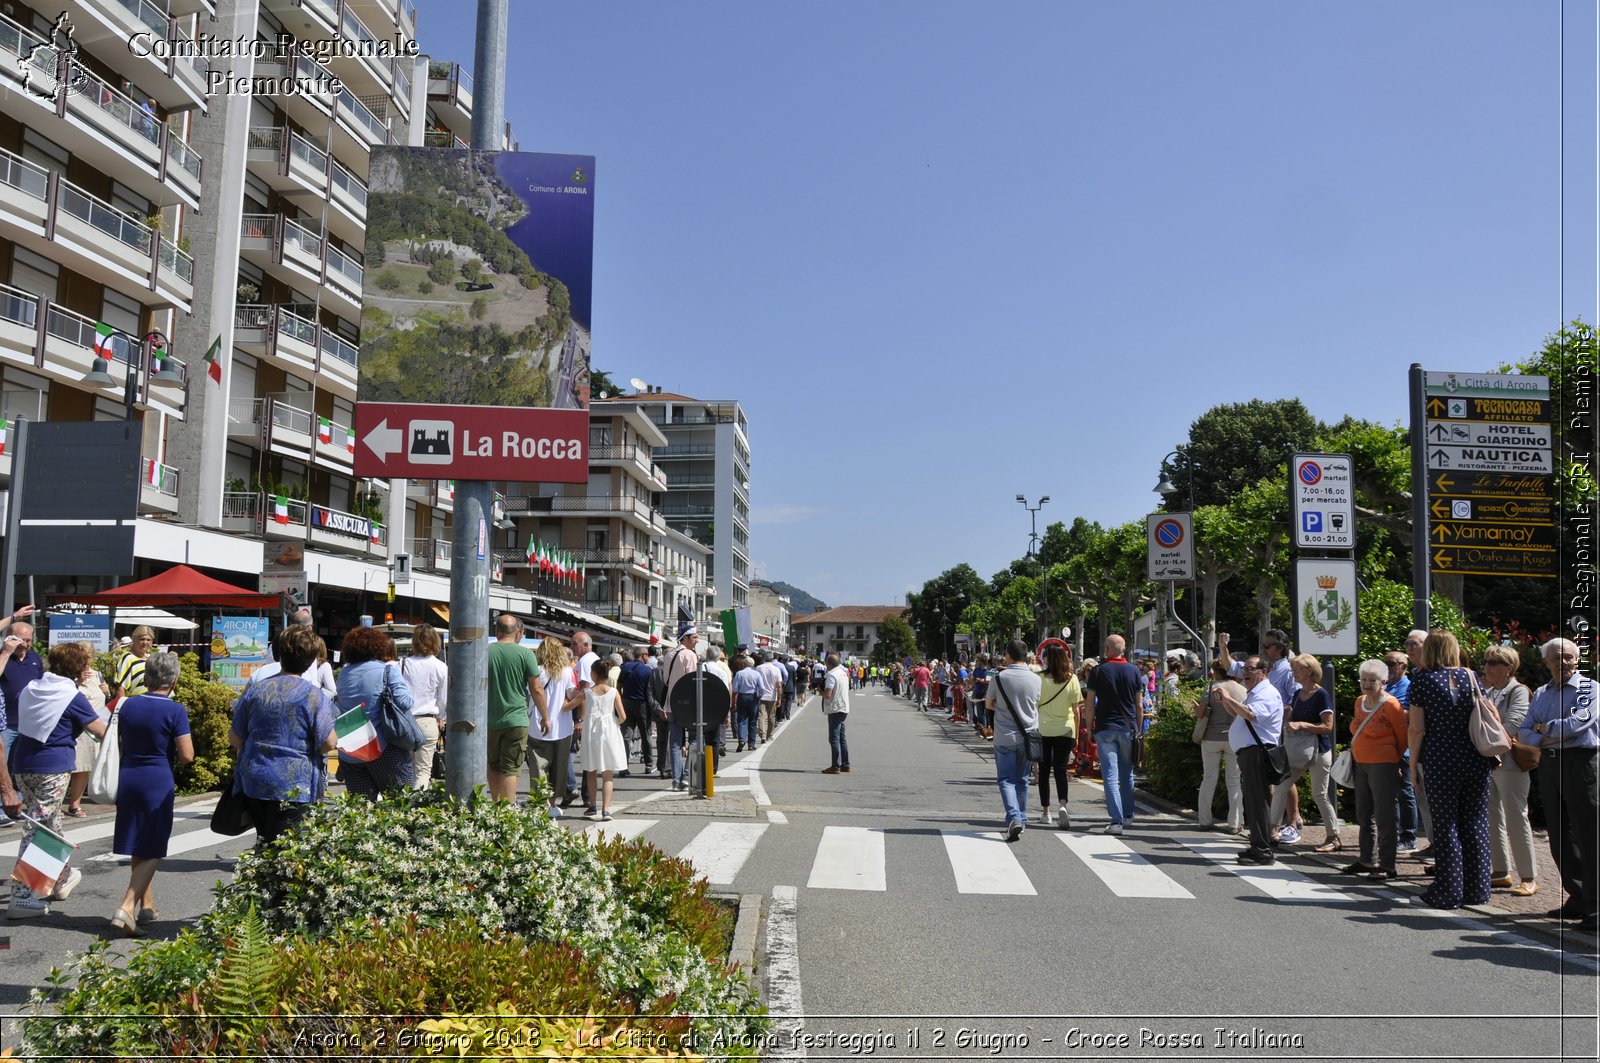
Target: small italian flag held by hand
[(357, 738), (324, 430), (41, 863), (280, 509)]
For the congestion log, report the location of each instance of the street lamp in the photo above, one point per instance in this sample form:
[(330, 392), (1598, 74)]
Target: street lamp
[(1033, 542), (166, 375), (1033, 520)]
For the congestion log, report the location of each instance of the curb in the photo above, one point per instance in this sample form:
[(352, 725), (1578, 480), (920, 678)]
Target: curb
[(746, 930)]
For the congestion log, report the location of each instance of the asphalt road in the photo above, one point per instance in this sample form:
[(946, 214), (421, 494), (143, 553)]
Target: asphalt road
[(897, 924)]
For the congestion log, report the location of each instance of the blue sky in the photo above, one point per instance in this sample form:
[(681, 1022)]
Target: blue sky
[(946, 254)]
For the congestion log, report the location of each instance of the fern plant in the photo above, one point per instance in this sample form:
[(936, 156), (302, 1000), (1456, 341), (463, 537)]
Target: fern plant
[(246, 985)]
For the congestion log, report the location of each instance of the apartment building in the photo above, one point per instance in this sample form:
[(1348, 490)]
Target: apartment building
[(142, 186), (707, 463), (635, 569), (770, 616), (848, 630)]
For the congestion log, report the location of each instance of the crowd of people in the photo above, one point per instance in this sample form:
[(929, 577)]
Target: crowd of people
[(1268, 720)]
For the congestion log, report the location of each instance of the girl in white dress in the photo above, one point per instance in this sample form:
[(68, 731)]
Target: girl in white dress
[(604, 750)]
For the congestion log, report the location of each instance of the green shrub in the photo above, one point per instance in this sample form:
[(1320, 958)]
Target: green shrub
[(210, 707), (389, 280), (424, 287), (667, 891), (1171, 764)]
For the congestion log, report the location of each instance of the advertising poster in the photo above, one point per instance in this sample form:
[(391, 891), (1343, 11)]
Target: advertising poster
[(238, 648), (478, 276), (93, 628)]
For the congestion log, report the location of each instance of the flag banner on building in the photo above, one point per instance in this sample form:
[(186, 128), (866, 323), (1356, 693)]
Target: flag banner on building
[(350, 440), (158, 347), (531, 552), (736, 629), (583, 573), (376, 533), (324, 430), (280, 509), (42, 861), (102, 340), (5, 434), (357, 737), (214, 359), (154, 472)]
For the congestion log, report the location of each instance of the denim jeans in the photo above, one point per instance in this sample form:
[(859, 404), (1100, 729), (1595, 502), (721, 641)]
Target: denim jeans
[(837, 747), (676, 737), (1406, 804), (746, 715), (1116, 770), (1011, 772)]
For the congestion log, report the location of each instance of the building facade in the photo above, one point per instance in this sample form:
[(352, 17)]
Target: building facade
[(707, 464), (848, 630), (770, 615)]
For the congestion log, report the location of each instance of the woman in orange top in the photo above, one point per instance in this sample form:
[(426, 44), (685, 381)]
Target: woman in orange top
[(1379, 728)]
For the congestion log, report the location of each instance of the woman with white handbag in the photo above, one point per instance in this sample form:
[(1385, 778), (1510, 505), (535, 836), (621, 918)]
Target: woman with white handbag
[(1377, 744)]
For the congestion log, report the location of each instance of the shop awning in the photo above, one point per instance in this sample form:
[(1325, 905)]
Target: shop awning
[(179, 585)]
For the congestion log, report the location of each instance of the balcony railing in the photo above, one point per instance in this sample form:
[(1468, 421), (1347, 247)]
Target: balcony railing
[(23, 175), (121, 108), (74, 328), (296, 327), (252, 316), (336, 347), (179, 151), (177, 260), (343, 264), (149, 14), (442, 138), (363, 117), (308, 242), (19, 307), (160, 478), (291, 418), (258, 226), (350, 185), (308, 152), (578, 504), (241, 505), (123, 228)]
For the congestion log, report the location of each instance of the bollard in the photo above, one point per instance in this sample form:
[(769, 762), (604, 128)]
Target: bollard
[(711, 776)]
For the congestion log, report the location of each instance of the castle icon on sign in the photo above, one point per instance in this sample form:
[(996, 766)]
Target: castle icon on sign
[(430, 442)]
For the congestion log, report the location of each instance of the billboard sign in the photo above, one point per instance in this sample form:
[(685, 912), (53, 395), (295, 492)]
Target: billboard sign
[(477, 283), (93, 628), (238, 648)]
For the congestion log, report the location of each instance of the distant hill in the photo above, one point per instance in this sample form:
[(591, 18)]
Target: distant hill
[(800, 603)]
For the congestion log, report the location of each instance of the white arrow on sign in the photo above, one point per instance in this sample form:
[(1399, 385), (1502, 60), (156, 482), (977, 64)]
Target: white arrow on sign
[(383, 440)]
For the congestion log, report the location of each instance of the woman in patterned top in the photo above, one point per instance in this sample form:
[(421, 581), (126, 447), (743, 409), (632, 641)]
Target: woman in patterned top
[(130, 668)]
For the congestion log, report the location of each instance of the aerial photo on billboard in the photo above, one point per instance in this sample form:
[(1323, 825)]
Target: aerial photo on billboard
[(478, 277)]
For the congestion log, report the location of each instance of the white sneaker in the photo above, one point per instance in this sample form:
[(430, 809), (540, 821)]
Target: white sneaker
[(25, 905), (1111, 828), (64, 890), (555, 811), (1044, 814), (1289, 835), (1062, 821)]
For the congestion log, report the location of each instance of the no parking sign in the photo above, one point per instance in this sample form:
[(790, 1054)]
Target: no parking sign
[(1171, 542)]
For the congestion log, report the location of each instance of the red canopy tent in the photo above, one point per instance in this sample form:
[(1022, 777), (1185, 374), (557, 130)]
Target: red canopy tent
[(179, 585)]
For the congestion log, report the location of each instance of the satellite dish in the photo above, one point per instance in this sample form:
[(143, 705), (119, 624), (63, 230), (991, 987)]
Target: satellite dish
[(636, 384)]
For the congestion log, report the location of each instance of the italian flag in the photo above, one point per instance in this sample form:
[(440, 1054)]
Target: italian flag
[(41, 863), (375, 533), (280, 509), (532, 553), (350, 440), (102, 340), (152, 472), (324, 430), (544, 560), (5, 434), (583, 574), (357, 738), (214, 359)]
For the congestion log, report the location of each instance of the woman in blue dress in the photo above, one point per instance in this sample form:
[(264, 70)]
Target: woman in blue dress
[(1454, 774), (153, 732), (365, 675)]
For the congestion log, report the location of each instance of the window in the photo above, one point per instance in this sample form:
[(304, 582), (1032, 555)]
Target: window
[(838, 631), (861, 632), (819, 629)]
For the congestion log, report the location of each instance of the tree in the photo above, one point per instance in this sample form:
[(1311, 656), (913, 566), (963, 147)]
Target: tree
[(896, 640), (443, 269), (1233, 445), (934, 611), (472, 271)]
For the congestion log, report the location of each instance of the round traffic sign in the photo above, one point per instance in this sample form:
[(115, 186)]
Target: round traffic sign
[(714, 700), (1169, 533), (1310, 473)]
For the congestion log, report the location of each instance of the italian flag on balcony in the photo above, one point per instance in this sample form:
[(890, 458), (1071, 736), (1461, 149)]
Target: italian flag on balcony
[(102, 340), (583, 574), (280, 509), (357, 737), (349, 440), (41, 863), (154, 472), (375, 532), (324, 430), (5, 433)]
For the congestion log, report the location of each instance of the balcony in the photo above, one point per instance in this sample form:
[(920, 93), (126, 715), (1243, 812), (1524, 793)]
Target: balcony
[(287, 161), (635, 458), (69, 339), (19, 326), (311, 107), (450, 93), (442, 138), (336, 444), (269, 516), (629, 612), (158, 489), (25, 201), (684, 450), (349, 198), (432, 555), (347, 532), (244, 419), (292, 339), (339, 358), (290, 429), (635, 509), (345, 274), (376, 70), (365, 129), (439, 494)]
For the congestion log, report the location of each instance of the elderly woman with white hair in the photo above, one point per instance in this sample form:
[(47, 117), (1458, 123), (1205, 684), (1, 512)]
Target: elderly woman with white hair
[(1377, 746)]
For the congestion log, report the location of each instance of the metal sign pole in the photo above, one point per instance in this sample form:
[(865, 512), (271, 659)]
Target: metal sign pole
[(8, 564), (700, 726), (1421, 576)]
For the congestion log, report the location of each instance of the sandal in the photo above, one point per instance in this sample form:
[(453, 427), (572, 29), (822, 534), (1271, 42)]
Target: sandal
[(1525, 889), (75, 813), (1504, 882), (1330, 846)]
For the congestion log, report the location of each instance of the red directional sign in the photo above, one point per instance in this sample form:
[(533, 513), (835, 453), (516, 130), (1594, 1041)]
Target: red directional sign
[(428, 441)]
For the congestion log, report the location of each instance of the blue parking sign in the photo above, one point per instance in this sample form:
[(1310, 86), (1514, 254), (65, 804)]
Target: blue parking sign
[(1311, 520)]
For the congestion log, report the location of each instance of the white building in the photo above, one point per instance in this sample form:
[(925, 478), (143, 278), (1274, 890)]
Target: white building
[(848, 630), (770, 615), (707, 462)]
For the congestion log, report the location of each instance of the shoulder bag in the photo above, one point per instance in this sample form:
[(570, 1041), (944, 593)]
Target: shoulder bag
[(1200, 722), (1034, 740), (1344, 765), (107, 766), (1488, 734), (394, 725), (232, 816), (1277, 756)]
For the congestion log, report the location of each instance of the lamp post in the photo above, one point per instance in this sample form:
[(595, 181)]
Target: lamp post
[(140, 354), (1033, 543)]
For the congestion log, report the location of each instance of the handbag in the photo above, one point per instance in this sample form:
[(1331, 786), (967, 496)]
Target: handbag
[(107, 766), (1526, 757), (232, 815), (1488, 734), (1344, 765), (395, 725), (1034, 740), (1277, 756)]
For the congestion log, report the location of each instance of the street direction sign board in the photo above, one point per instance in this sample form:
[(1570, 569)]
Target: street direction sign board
[(1322, 493), (1490, 459), (430, 441), (1494, 561), (1171, 546), (1525, 488), (1488, 434), (1490, 386)]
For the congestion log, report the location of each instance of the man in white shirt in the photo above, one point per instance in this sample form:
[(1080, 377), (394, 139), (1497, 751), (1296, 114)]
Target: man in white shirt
[(1262, 712), (771, 673), (836, 704), (679, 663)]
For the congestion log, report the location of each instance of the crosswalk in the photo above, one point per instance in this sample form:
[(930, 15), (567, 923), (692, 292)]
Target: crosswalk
[(982, 862)]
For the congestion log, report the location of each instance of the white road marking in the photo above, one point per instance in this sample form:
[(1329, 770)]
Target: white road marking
[(1124, 871), (183, 843), (720, 849), (622, 828), (783, 974), (106, 827), (849, 858), (1276, 881), (774, 816), (985, 863)]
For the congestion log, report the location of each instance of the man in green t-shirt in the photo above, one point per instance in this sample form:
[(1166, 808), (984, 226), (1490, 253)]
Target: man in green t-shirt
[(513, 675)]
